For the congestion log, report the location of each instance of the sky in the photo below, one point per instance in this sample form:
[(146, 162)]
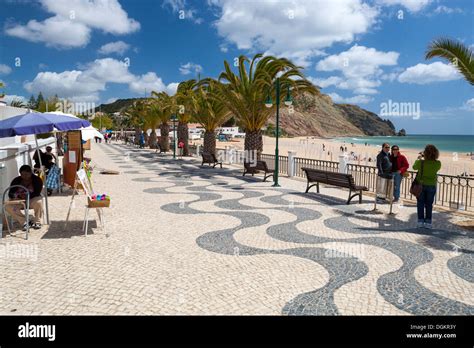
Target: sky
[(364, 52)]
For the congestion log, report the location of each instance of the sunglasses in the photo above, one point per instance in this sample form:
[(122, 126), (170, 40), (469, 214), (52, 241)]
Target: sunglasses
[(387, 147), (395, 149)]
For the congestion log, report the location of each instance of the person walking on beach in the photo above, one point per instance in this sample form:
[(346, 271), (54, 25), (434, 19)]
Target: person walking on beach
[(399, 167), (427, 164), (384, 166)]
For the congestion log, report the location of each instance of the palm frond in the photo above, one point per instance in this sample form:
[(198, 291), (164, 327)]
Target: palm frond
[(458, 54)]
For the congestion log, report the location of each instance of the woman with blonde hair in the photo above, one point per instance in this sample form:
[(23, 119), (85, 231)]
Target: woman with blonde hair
[(428, 166)]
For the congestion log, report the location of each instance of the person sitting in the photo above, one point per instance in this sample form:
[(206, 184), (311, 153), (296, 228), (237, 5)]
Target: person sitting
[(50, 159), (34, 185)]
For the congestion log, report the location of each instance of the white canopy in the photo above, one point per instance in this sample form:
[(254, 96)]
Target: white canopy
[(87, 132), (90, 133)]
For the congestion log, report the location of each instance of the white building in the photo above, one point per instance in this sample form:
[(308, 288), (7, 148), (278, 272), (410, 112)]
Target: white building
[(17, 151)]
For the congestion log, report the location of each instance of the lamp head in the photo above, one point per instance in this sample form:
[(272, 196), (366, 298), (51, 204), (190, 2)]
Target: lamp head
[(269, 101)]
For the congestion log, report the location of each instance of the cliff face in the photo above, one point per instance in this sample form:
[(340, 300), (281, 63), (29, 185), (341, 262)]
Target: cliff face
[(319, 116)]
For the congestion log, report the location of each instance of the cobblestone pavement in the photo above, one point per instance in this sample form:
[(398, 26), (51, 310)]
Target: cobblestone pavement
[(181, 239)]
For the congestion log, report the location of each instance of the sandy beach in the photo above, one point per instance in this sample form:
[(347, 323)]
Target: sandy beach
[(312, 147)]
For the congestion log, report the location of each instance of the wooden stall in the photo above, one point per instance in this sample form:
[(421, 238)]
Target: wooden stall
[(72, 156)]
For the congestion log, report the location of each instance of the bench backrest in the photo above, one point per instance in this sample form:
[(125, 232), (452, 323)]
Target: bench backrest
[(208, 157), (260, 165), (330, 178)]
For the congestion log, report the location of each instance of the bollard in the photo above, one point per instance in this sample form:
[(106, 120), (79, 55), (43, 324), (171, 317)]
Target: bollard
[(291, 163), (343, 163)]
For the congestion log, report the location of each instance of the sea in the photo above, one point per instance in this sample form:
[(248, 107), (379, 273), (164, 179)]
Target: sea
[(447, 143)]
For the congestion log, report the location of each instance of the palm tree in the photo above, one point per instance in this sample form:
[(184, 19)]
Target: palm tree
[(17, 103), (209, 111), (458, 54), (184, 97), (244, 93), (136, 117), (2, 85), (164, 105)]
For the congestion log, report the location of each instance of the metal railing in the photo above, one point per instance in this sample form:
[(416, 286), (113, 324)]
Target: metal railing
[(452, 191)]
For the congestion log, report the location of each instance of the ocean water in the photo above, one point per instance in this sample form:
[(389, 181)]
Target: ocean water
[(449, 143)]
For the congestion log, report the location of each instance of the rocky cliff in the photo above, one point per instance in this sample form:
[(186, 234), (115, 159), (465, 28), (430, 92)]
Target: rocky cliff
[(319, 116)]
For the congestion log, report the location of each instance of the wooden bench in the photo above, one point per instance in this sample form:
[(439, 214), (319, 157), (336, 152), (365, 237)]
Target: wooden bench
[(316, 176), (260, 166), (210, 158)]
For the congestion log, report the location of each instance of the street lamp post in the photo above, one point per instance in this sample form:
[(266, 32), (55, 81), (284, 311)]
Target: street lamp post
[(174, 118), (269, 104)]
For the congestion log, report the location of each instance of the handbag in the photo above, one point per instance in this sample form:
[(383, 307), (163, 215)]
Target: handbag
[(417, 185)]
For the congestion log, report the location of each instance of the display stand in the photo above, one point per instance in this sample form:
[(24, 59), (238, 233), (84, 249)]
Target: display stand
[(82, 179)]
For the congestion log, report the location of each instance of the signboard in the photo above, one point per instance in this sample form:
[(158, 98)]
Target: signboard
[(85, 182)]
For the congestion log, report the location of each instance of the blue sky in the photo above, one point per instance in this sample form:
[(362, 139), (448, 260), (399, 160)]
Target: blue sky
[(365, 52)]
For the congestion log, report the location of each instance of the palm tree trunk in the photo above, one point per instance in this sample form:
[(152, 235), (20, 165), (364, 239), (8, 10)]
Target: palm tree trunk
[(254, 143), (165, 137), (183, 136), (152, 139), (210, 142), (137, 135)]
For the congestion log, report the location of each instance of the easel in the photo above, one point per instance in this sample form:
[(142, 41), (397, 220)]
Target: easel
[(83, 180)]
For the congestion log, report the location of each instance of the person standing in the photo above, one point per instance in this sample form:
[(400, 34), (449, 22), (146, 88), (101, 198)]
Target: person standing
[(142, 140), (384, 166), (428, 166), (399, 167)]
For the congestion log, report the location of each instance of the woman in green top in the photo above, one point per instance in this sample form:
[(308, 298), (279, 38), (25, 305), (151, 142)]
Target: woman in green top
[(431, 166)]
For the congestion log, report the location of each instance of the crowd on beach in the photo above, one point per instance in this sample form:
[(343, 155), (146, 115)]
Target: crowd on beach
[(393, 165)]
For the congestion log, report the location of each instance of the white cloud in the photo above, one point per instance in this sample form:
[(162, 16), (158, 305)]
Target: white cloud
[(411, 5), (190, 68), (118, 47), (468, 105), (360, 68), (447, 10), (150, 82), (54, 32), (182, 7), (87, 83), (5, 69), (323, 83), (110, 100), (427, 73), (72, 23), (298, 30), (358, 99)]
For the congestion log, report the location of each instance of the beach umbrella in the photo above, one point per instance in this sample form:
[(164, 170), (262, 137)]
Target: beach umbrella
[(33, 123), (86, 132)]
